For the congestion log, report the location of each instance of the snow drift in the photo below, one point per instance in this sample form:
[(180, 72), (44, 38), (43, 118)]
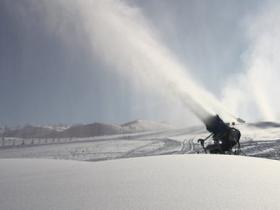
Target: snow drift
[(163, 182)]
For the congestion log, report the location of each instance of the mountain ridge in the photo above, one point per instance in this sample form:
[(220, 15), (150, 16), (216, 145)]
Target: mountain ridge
[(85, 130)]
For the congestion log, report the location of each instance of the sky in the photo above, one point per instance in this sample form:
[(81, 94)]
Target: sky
[(54, 68)]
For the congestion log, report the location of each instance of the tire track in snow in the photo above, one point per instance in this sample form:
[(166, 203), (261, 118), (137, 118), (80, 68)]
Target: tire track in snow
[(157, 147)]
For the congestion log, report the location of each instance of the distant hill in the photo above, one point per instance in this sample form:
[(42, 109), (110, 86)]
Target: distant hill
[(85, 130), (265, 124), (29, 131), (94, 129)]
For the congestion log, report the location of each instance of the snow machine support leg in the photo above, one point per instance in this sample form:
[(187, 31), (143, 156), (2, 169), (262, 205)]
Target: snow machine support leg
[(201, 141)]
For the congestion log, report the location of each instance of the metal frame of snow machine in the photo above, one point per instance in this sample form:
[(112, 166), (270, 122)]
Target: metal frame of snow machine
[(225, 137)]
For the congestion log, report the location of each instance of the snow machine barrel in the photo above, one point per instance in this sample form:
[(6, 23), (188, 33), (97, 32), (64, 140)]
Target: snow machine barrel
[(224, 136), (216, 125)]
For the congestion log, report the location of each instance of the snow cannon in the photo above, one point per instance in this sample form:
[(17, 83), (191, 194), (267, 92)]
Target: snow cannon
[(224, 137)]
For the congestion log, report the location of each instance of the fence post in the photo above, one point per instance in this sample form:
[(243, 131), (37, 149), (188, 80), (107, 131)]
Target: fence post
[(3, 140)]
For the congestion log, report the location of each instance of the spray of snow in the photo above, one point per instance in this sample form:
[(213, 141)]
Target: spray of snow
[(255, 93), (123, 39), (121, 36)]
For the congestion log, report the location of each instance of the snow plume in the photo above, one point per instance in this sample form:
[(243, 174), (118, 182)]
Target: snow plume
[(119, 34), (255, 93)]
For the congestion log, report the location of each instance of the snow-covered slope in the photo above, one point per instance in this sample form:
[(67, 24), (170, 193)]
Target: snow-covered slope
[(30, 131), (162, 182), (94, 129), (85, 130), (255, 141)]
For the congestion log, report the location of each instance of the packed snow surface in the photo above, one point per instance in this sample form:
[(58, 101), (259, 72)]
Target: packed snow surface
[(259, 140), (161, 182)]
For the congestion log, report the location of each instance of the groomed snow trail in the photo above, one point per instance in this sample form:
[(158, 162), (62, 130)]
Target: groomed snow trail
[(255, 141)]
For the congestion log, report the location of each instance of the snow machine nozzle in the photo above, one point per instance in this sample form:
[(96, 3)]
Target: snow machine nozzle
[(215, 125)]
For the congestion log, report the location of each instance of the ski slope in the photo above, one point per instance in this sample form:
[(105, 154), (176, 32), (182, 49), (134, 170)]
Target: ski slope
[(257, 140), (161, 182)]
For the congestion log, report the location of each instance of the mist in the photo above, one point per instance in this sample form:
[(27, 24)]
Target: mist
[(253, 94), (121, 36)]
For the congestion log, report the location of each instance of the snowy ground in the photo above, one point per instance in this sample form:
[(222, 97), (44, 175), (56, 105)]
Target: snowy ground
[(174, 178), (163, 182), (258, 141)]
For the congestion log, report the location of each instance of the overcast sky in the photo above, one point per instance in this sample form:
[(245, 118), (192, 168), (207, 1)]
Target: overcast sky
[(45, 80)]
